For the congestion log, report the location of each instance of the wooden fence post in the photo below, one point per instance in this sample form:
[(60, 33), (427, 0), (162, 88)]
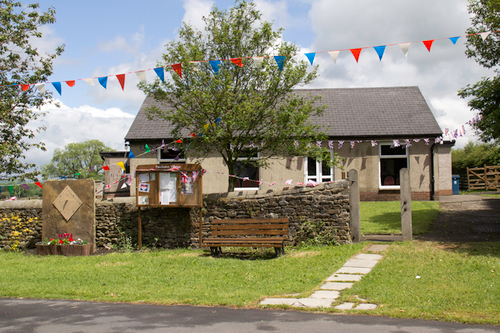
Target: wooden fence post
[(406, 226), (355, 224)]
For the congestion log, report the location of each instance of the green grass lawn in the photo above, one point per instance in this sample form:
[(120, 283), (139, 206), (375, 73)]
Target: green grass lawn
[(169, 276), (455, 282), (492, 195), (384, 217)]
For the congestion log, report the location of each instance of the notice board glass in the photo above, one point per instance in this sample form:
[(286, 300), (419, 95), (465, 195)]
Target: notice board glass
[(169, 185)]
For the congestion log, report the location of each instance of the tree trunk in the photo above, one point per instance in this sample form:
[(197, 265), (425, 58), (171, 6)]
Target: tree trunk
[(231, 180)]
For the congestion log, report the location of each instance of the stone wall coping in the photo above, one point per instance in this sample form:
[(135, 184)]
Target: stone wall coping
[(20, 204)]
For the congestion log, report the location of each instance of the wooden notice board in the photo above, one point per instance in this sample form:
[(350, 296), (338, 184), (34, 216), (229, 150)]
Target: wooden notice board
[(169, 185)]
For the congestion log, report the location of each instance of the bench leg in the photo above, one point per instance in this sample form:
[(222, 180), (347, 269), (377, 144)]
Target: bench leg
[(215, 251), (279, 251)]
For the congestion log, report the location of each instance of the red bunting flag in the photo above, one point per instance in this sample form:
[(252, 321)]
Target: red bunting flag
[(192, 134), (121, 79), (70, 83), (105, 167), (25, 87), (428, 44), (355, 53), (178, 141), (178, 69), (237, 61), (38, 184)]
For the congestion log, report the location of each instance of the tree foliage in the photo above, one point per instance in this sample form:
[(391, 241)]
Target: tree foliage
[(76, 160), (243, 104), (485, 94), (474, 155), (20, 63)]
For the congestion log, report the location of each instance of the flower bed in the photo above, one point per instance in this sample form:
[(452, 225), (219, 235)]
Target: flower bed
[(65, 246)]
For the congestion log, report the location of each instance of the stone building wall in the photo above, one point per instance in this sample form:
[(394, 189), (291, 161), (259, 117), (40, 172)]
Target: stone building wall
[(321, 211)]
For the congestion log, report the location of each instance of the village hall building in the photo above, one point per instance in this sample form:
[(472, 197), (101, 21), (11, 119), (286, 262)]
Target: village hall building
[(376, 131)]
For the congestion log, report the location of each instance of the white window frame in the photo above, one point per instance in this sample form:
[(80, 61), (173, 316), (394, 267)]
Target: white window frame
[(169, 160), (319, 171), (406, 155), (249, 188)]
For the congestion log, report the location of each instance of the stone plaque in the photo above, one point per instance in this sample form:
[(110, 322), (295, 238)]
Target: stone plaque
[(67, 203), (69, 207)]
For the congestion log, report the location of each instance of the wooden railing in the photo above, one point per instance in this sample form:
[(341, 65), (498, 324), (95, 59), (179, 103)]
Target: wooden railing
[(487, 178)]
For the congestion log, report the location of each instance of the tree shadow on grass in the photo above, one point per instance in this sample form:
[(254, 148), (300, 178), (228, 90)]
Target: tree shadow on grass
[(244, 253), (390, 223)]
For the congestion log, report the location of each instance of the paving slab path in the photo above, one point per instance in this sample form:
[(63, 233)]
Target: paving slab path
[(344, 278)]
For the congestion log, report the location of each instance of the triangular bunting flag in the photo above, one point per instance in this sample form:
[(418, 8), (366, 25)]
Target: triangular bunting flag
[(237, 61), (103, 81), (142, 76), (121, 165), (428, 44), (11, 189), (40, 87), (355, 53), (161, 74), (121, 79), (178, 69), (310, 56), (380, 51), (485, 35), (25, 186), (89, 81), (38, 184), (334, 55), (280, 61), (404, 48), (454, 39), (258, 61), (57, 86), (105, 167), (131, 154), (147, 148), (215, 65), (70, 83), (25, 87)]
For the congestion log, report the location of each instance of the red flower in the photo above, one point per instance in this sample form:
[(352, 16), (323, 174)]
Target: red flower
[(71, 239), (61, 241)]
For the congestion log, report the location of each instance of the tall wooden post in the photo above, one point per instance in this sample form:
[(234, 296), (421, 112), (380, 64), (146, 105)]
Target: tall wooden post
[(139, 231), (201, 209), (355, 224), (406, 225)]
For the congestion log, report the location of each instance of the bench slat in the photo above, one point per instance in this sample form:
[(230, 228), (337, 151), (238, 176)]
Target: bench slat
[(249, 221), (249, 232), (252, 226)]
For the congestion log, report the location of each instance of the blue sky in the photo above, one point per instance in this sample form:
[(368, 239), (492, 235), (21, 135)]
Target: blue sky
[(114, 37)]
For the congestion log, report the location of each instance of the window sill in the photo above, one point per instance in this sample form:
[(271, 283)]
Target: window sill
[(395, 187)]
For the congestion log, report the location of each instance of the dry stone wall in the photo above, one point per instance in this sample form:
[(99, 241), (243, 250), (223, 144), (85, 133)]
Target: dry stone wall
[(320, 213)]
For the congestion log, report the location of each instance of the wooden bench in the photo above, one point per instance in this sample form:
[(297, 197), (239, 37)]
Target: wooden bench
[(248, 233)]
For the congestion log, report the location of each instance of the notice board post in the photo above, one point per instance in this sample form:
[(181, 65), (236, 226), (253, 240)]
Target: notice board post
[(168, 186)]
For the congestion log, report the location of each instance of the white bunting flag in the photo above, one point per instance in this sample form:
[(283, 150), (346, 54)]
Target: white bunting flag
[(334, 55), (485, 35), (89, 81), (142, 76), (40, 87), (405, 47), (258, 61)]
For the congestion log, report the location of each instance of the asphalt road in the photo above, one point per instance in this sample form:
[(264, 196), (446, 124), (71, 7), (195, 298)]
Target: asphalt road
[(40, 316)]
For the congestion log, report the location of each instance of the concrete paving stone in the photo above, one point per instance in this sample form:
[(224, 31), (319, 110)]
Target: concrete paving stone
[(368, 256), (344, 277), (344, 306), (353, 270), (327, 294), (313, 303), (360, 263), (278, 301), (377, 248), (336, 286), (366, 306)]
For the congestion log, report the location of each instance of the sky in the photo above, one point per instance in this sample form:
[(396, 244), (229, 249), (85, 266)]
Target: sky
[(115, 37)]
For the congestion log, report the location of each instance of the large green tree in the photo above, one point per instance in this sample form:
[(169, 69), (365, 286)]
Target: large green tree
[(474, 155), (21, 64), (78, 160), (243, 102), (485, 94)]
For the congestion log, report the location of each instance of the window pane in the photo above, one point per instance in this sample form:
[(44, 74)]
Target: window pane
[(325, 169), (387, 150), (249, 171), (311, 167), (170, 154), (389, 170)]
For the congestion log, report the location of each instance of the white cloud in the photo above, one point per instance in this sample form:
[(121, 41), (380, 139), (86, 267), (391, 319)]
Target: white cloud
[(195, 10), (274, 11), (66, 125)]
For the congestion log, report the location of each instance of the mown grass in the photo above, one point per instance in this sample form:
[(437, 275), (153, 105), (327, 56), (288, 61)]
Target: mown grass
[(170, 276), (492, 195), (453, 282), (384, 217)]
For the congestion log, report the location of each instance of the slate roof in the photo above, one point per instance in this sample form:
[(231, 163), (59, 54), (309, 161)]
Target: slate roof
[(388, 112)]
